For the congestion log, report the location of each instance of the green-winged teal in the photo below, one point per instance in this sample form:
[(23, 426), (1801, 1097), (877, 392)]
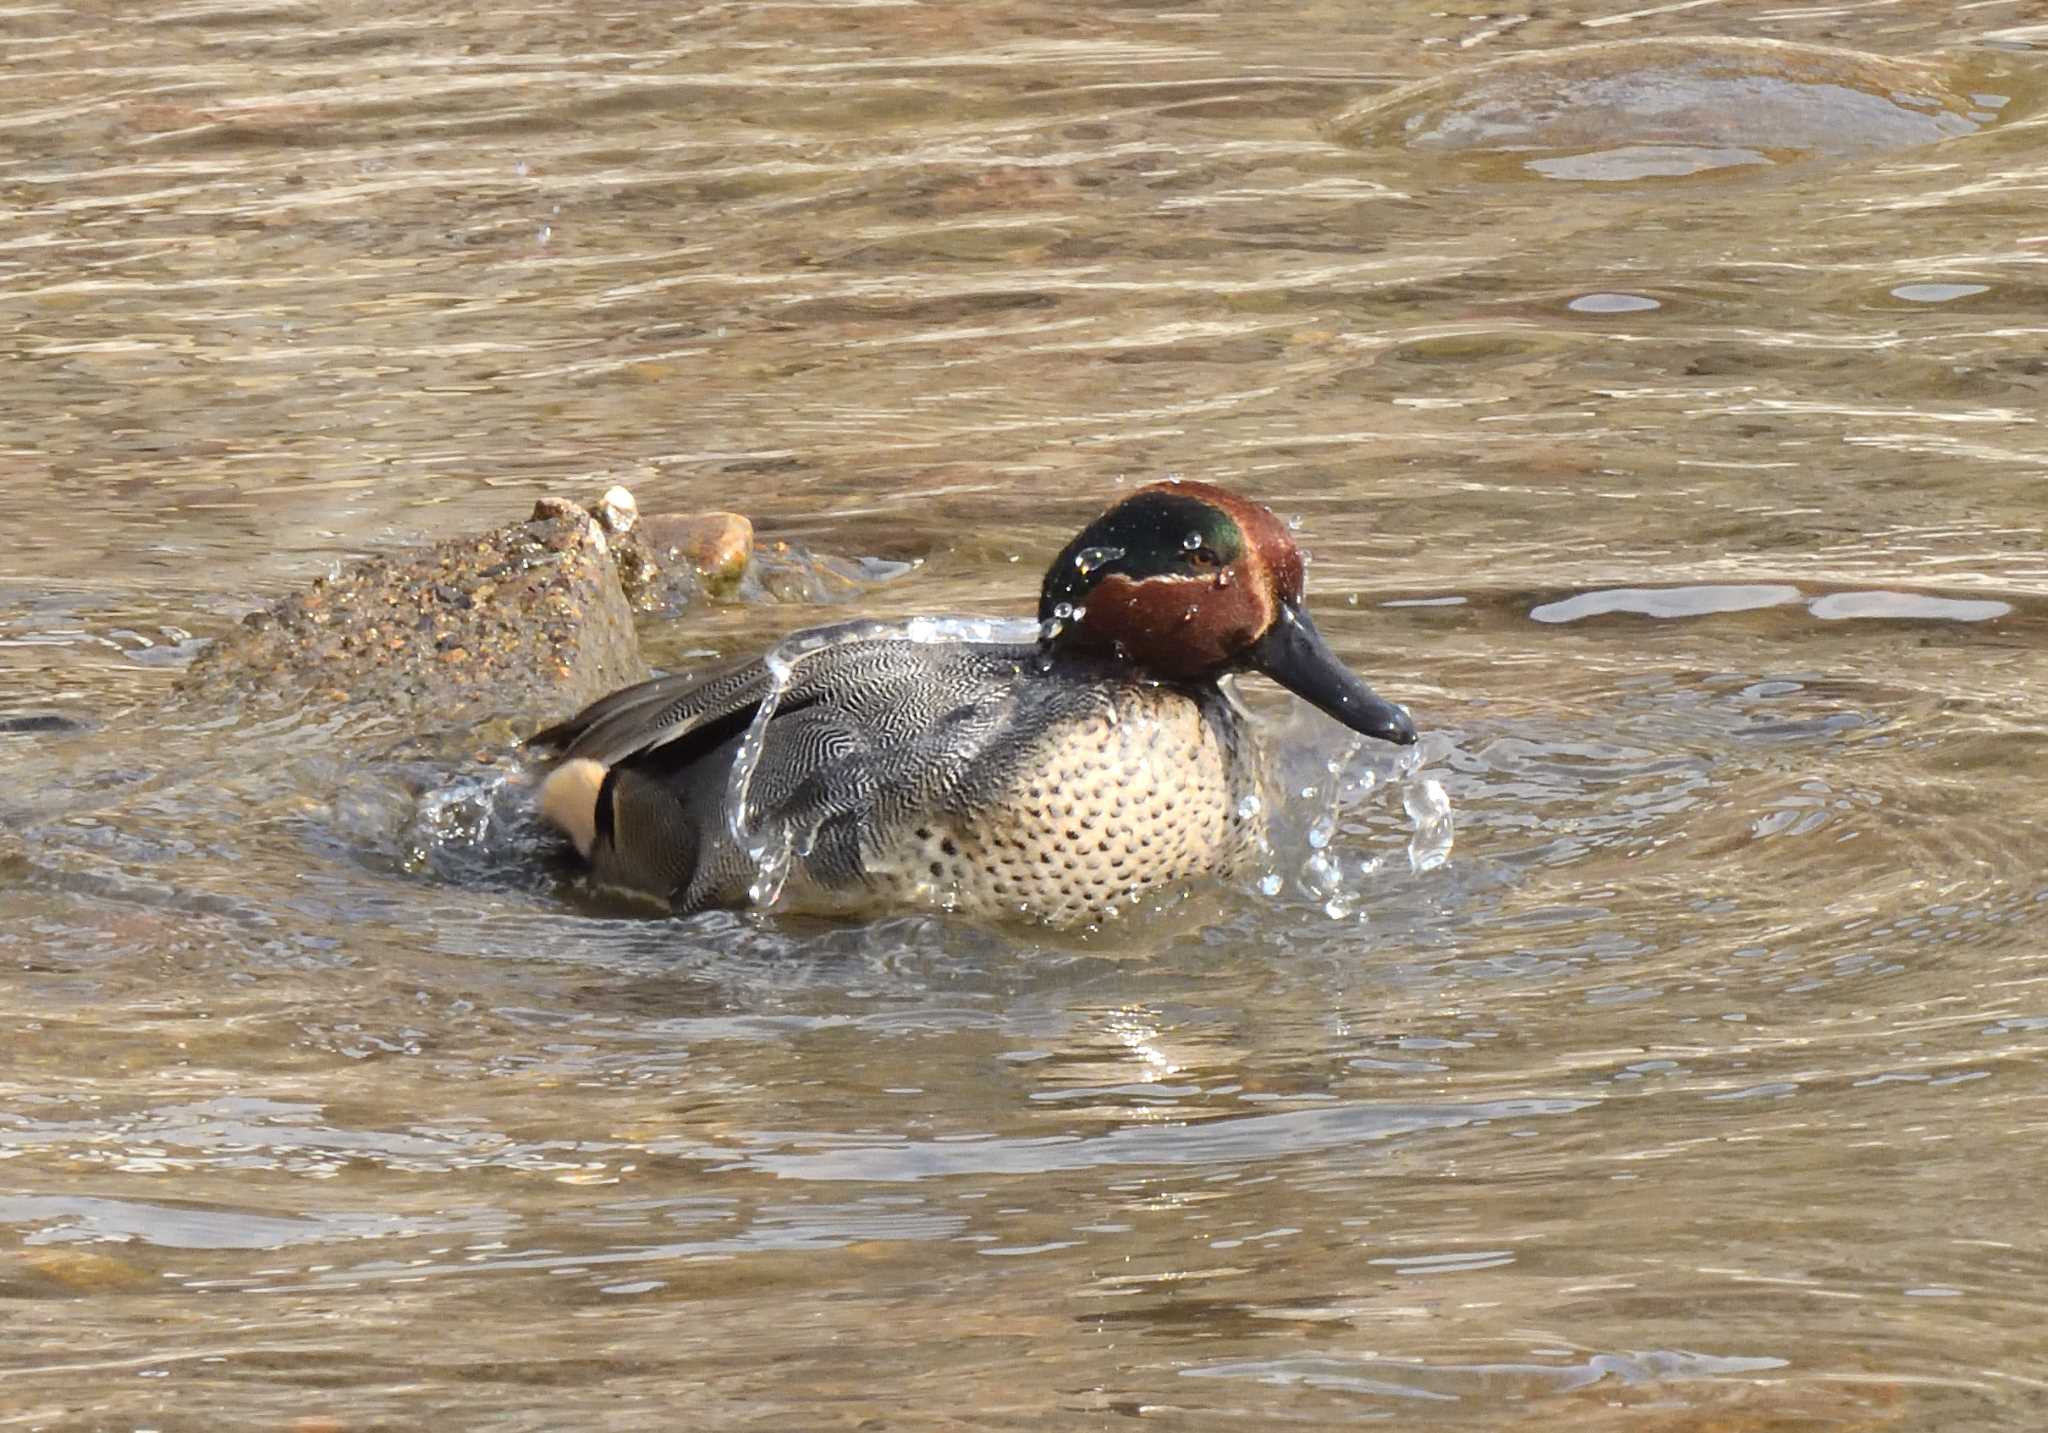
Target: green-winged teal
[(1055, 780)]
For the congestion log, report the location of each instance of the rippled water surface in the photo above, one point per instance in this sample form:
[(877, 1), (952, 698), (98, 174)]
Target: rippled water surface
[(1697, 515)]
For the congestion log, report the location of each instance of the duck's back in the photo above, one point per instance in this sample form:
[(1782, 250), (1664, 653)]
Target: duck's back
[(970, 776)]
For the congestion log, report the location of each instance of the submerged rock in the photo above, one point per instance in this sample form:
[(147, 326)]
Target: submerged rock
[(791, 572), (1628, 109), (674, 558), (87, 1271), (37, 724)]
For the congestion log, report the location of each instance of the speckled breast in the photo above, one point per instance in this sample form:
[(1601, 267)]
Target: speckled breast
[(1148, 791)]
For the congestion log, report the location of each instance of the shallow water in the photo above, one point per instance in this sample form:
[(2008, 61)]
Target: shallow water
[(1696, 518)]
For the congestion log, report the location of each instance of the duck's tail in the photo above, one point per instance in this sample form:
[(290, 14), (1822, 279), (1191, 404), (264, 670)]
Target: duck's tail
[(568, 800)]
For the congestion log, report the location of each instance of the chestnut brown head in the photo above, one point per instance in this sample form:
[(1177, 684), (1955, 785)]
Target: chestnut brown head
[(1187, 581)]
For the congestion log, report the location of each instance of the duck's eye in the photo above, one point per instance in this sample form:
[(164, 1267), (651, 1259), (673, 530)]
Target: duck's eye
[(1203, 556)]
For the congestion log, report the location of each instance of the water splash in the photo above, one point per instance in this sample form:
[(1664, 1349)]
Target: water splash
[(771, 845), (473, 826), (1429, 815), (1317, 785)]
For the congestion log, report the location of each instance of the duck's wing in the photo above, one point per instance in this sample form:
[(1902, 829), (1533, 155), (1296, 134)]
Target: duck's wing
[(890, 688), (699, 709)]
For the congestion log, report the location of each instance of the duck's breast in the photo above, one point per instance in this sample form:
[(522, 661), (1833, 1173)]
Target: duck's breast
[(1136, 788)]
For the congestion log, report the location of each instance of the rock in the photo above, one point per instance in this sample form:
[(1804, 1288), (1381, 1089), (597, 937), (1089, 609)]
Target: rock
[(527, 622), (710, 549), (1630, 109), (82, 1271), (652, 586), (38, 724), (791, 572), (616, 511)]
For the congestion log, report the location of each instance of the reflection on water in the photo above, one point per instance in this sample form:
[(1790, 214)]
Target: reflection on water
[(1692, 511)]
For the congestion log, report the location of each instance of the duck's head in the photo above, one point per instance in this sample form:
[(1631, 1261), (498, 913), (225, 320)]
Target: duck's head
[(1186, 582)]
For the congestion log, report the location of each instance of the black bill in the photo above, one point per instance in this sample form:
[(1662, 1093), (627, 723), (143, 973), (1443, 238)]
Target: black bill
[(1294, 654)]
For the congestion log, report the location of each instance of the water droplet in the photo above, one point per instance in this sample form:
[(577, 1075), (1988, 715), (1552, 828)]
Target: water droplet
[(1320, 876), (1192, 541), (1065, 615), (1429, 810), (1294, 522), (1088, 559), (1248, 807), (1270, 884), (1359, 786), (1223, 577)]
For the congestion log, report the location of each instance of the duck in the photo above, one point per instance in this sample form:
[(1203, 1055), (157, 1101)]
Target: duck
[(1056, 781)]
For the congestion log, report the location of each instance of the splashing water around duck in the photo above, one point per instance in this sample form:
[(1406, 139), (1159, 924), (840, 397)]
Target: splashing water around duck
[(1316, 787), (1429, 814)]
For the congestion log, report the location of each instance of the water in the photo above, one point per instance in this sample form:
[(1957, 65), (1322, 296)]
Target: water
[(1696, 1087)]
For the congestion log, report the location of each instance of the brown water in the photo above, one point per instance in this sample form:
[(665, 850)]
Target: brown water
[(1701, 1089)]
